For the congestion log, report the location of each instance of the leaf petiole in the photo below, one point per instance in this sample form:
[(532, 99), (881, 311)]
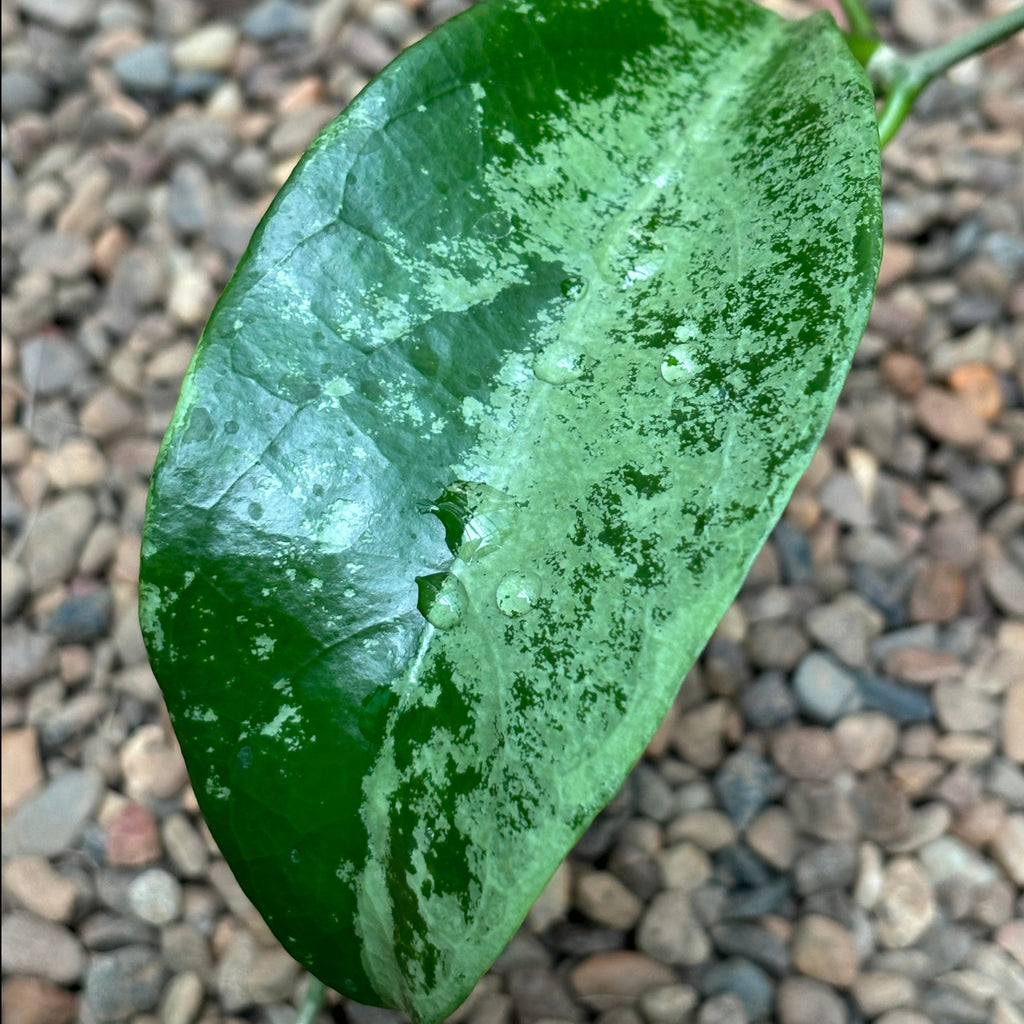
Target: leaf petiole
[(901, 79), (862, 25), (311, 1001)]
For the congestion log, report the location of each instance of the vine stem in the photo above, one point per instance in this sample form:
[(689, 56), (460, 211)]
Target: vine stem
[(311, 1001), (903, 78), (859, 17)]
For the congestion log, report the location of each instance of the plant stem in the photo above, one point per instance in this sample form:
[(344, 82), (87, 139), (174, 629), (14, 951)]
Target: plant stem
[(311, 1001), (909, 75), (861, 22)]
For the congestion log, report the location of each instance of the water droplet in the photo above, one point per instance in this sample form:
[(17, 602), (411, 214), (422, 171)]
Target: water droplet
[(494, 224), (558, 363), (518, 593), (475, 517), (442, 599), (677, 365), (255, 510), (245, 757), (296, 857), (429, 833), (231, 427), (573, 288)]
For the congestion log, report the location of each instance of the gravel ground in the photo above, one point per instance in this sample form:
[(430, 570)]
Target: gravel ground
[(829, 827)]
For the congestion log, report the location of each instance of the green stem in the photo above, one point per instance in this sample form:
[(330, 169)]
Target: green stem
[(861, 22), (907, 76), (311, 1001)]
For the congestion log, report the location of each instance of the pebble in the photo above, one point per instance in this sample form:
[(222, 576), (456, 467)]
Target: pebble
[(773, 836), (189, 855), (823, 810), (754, 943), (37, 1001), (210, 48), (53, 820), (824, 950), (745, 783), (830, 866), (81, 618), (1012, 723), (683, 866), (670, 931), (807, 752), (145, 70), (875, 992), (122, 983), (1008, 847), (723, 1009), (901, 703), (938, 593), (866, 740), (1004, 582), (49, 363), (709, 829), (697, 735), (743, 979), (806, 1001), (182, 999), (153, 767), (30, 945), (56, 539), (604, 899), (846, 627), (133, 839), (825, 691), (271, 977), (40, 889), (21, 770), (13, 590), (960, 707), (276, 19), (906, 905), (949, 418), (668, 1004), (768, 701)]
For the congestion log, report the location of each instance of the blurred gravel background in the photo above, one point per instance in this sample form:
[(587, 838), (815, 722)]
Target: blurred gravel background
[(828, 829)]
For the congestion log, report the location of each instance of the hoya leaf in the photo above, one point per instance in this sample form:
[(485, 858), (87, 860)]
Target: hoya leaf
[(515, 377)]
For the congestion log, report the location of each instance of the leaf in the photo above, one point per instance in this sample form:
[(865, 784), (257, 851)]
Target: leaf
[(515, 377)]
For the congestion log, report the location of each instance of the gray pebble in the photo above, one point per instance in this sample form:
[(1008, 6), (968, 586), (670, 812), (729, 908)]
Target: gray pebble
[(671, 932), (537, 992), (103, 931), (155, 897), (145, 70), (754, 944), (49, 364), (184, 948), (69, 15), (57, 537), (806, 1001), (900, 703), (30, 945), (191, 199), (53, 820), (776, 644), (745, 905), (81, 618), (768, 701), (824, 689), (745, 783), (275, 19), (21, 92), (723, 1009), (794, 553), (831, 866), (743, 979), (124, 982), (28, 656)]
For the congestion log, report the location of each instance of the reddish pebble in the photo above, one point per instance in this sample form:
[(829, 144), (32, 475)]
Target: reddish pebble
[(133, 838)]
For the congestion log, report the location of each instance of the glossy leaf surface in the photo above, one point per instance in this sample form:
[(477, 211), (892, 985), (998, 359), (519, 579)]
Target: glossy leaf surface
[(517, 374)]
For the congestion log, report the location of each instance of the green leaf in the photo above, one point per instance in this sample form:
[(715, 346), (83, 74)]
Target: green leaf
[(517, 374)]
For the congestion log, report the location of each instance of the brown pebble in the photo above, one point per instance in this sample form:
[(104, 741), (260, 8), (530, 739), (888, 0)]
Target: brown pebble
[(906, 907), (824, 949), (949, 418), (938, 593), (902, 373), (22, 770), (807, 752), (133, 838), (979, 387), (35, 1001), (921, 666), (620, 974)]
